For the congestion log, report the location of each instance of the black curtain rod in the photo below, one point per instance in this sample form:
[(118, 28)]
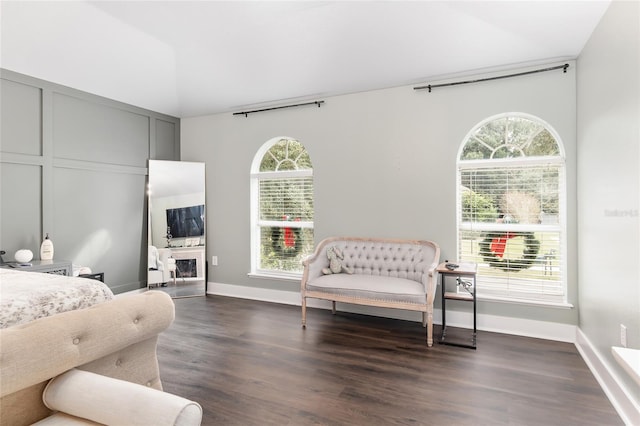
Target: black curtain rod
[(431, 86), (246, 113)]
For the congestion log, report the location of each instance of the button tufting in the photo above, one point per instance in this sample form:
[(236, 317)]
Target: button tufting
[(135, 321), (76, 341), (118, 363), (148, 383)]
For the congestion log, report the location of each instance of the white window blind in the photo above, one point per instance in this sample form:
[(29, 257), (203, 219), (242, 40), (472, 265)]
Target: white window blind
[(511, 211), (286, 222)]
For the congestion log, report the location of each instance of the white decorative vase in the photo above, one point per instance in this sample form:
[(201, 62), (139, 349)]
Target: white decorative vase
[(23, 256)]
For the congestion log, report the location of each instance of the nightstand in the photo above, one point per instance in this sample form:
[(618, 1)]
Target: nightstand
[(58, 267)]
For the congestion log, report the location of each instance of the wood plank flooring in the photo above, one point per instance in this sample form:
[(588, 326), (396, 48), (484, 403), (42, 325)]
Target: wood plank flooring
[(251, 363)]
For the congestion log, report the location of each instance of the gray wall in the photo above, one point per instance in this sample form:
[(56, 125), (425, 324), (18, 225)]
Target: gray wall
[(384, 166), (609, 183), (74, 165)]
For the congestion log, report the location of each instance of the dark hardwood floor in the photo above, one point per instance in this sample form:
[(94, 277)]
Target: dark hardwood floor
[(251, 363)]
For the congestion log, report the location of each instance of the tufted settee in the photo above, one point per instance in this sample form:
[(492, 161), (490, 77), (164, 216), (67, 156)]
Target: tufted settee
[(386, 273), (112, 340)]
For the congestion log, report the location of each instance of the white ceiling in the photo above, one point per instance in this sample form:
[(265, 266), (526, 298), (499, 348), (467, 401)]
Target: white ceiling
[(188, 58)]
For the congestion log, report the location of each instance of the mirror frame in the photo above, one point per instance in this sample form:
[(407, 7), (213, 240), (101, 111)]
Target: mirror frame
[(179, 186)]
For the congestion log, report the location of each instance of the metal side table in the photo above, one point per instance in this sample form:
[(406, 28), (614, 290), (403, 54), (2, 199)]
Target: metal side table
[(465, 290)]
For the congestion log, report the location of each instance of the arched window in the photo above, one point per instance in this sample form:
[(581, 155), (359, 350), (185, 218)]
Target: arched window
[(511, 201), (281, 208)]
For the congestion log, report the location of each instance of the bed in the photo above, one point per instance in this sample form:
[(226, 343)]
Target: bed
[(26, 296)]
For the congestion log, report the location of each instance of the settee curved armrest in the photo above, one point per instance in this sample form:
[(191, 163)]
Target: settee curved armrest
[(314, 263), (431, 277)]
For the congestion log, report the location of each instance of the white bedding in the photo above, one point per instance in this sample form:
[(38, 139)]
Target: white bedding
[(26, 296)]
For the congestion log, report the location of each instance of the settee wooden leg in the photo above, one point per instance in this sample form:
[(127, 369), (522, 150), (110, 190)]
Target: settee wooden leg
[(429, 329), (304, 312), (333, 307)]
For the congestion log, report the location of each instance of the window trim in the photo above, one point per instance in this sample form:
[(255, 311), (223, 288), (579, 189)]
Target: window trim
[(495, 163), (256, 223)]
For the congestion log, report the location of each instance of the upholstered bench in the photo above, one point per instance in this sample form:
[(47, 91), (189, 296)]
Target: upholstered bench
[(385, 273)]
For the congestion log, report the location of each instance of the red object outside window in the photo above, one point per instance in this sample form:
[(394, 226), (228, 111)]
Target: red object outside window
[(498, 245), (289, 237)]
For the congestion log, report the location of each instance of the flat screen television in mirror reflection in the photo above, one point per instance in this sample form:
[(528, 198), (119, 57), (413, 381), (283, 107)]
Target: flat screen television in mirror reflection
[(177, 228), (185, 222)]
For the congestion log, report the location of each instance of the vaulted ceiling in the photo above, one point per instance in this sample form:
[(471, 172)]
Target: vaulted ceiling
[(188, 58)]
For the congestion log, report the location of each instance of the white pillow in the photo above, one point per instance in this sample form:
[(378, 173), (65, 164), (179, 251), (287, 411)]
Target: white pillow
[(117, 402)]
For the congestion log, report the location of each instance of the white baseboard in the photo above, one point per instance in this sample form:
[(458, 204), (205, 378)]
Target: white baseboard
[(620, 397), (493, 323)]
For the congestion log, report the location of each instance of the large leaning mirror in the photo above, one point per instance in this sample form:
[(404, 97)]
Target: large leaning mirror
[(177, 231)]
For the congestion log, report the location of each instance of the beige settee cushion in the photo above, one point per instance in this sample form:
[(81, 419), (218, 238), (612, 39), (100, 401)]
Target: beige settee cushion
[(374, 287)]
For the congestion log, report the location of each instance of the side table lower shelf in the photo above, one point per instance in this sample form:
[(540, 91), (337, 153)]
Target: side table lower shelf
[(465, 291)]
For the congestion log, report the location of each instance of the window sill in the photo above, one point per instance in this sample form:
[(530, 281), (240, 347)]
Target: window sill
[(542, 303), (629, 359), (276, 276)]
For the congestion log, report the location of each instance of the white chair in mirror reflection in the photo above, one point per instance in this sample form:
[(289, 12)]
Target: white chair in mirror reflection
[(162, 267)]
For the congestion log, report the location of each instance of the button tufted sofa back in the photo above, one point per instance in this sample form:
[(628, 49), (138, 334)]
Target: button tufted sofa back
[(409, 259), (386, 258)]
